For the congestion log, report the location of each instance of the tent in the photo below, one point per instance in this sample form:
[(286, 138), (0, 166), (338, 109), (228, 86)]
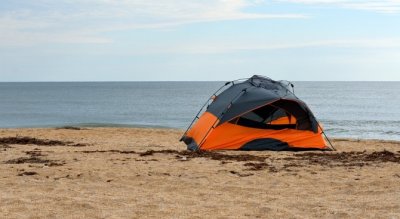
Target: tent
[(255, 114)]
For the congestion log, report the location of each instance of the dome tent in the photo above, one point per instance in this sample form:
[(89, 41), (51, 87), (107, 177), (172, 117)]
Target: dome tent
[(255, 114)]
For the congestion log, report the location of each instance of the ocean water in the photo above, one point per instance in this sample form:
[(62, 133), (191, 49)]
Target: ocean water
[(363, 110)]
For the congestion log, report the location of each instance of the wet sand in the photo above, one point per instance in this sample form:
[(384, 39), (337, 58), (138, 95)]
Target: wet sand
[(147, 173)]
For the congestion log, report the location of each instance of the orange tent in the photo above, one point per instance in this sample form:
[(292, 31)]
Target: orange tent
[(256, 114)]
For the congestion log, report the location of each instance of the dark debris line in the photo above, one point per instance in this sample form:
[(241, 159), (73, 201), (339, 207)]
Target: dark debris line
[(35, 157), (188, 154), (348, 158), (35, 141), (256, 162)]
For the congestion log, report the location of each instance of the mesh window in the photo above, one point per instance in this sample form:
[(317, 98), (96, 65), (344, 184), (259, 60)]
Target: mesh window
[(253, 116), (278, 113), (263, 118)]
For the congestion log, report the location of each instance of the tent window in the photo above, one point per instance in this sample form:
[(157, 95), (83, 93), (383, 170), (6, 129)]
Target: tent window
[(253, 116), (267, 117), (278, 113)]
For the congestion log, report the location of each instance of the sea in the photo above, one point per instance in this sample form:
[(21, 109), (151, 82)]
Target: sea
[(359, 110)]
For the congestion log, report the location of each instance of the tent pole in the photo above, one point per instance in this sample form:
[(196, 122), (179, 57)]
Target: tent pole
[(206, 103), (323, 132), (201, 109), (329, 141), (218, 118)]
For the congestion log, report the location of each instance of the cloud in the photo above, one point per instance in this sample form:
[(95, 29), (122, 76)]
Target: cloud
[(24, 23), (85, 21), (383, 6), (229, 47)]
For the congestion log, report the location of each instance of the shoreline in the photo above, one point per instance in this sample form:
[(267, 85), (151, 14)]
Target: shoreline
[(116, 126), (91, 125)]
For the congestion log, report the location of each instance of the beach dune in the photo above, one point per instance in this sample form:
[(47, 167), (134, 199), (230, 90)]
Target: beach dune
[(146, 173)]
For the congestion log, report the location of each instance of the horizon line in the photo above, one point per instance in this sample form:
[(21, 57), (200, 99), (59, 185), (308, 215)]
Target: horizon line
[(191, 81)]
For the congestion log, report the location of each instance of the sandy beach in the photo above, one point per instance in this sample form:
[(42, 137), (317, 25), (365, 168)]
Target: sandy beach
[(147, 173)]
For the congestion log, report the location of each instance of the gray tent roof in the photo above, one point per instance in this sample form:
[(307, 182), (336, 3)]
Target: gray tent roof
[(257, 92)]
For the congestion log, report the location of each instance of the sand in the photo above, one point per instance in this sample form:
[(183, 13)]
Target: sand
[(146, 173)]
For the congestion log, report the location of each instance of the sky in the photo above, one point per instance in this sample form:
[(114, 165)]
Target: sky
[(206, 40)]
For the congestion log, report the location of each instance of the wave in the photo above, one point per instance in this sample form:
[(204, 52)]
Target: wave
[(121, 125), (94, 125)]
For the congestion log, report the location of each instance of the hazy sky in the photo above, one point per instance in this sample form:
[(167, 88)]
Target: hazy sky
[(128, 40)]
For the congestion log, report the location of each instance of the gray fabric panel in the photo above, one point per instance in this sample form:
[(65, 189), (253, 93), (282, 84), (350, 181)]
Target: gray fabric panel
[(263, 144), (271, 144), (224, 99), (258, 92), (255, 97), (191, 143)]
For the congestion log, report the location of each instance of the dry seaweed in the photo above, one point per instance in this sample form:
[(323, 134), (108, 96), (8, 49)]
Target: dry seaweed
[(348, 158), (208, 154), (35, 141), (27, 173), (295, 160)]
